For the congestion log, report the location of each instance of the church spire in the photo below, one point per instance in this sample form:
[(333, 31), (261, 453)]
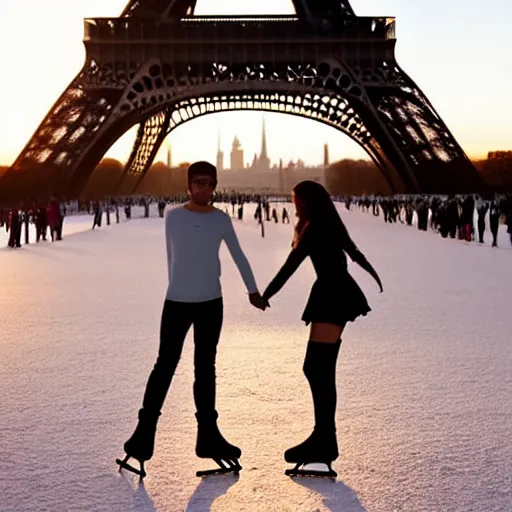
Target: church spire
[(169, 156), (264, 155)]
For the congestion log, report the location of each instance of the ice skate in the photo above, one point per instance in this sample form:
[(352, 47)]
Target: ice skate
[(212, 445), (141, 444), (318, 448)]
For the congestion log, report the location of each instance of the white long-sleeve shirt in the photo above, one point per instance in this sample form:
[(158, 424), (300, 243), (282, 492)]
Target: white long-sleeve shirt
[(193, 243)]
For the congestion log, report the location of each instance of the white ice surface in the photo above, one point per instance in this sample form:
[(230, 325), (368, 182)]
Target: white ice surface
[(424, 381)]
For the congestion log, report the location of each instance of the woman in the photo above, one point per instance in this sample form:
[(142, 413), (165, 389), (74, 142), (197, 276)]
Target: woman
[(335, 299)]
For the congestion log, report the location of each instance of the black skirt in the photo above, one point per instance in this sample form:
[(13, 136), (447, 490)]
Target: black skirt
[(335, 301)]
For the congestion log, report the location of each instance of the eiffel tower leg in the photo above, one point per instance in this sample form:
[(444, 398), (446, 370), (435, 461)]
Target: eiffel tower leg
[(87, 119), (150, 136), (413, 135), (54, 152)]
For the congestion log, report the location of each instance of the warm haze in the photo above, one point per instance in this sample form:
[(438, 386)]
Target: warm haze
[(456, 52)]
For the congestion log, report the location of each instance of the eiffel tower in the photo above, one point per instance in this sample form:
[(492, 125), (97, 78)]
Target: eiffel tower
[(158, 66)]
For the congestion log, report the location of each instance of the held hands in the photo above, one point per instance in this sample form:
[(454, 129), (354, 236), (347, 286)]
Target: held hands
[(258, 301)]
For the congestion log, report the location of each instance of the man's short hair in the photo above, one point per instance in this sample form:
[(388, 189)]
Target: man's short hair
[(202, 169)]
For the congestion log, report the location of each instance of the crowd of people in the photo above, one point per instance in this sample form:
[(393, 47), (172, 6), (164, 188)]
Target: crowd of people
[(462, 217), (46, 218), (450, 216)]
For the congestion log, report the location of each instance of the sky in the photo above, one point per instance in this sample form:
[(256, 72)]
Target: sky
[(457, 51)]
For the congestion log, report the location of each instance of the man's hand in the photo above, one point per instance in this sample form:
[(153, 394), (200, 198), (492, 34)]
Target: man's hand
[(258, 301)]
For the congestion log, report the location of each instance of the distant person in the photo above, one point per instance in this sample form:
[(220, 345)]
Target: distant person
[(98, 214), (128, 209), (14, 224), (494, 220), (41, 221), (481, 209), (335, 299), (194, 233), (468, 212), (54, 218), (161, 207), (62, 214)]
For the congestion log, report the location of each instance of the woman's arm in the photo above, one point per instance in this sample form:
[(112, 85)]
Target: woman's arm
[(292, 263), (358, 257)]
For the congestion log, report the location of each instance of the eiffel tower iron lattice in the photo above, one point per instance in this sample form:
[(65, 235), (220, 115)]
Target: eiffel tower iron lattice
[(158, 65)]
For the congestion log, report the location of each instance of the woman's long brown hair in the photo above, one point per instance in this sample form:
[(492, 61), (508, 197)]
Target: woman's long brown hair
[(315, 206)]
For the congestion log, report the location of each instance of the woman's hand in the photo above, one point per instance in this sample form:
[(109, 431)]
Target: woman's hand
[(366, 265)]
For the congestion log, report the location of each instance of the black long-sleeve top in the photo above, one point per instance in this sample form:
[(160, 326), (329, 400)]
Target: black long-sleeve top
[(327, 252)]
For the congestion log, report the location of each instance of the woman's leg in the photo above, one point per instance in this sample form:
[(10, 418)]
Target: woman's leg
[(320, 371), (325, 333)]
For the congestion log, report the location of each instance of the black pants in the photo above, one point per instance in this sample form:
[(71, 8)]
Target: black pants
[(481, 229), (60, 225), (494, 221), (97, 220), (177, 318), (15, 234)]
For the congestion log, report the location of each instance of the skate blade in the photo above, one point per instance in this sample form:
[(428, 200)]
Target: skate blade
[(232, 466), (298, 471), (123, 464)]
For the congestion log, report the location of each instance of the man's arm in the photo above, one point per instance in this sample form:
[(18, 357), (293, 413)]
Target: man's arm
[(239, 257), (168, 244)]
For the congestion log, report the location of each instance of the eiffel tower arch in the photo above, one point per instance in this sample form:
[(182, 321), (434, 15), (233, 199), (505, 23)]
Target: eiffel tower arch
[(158, 66)]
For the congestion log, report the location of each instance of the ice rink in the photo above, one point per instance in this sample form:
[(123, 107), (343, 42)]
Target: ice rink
[(424, 381)]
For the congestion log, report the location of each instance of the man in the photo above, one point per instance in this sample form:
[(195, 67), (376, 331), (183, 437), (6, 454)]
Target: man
[(194, 233), (481, 209), (14, 222), (494, 219)]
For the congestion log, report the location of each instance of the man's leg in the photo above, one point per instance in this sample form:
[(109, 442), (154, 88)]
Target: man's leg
[(210, 444), (176, 321), (208, 319)]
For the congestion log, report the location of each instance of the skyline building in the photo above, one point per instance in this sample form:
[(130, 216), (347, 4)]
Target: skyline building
[(169, 156), (261, 162), (237, 155), (262, 175)]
